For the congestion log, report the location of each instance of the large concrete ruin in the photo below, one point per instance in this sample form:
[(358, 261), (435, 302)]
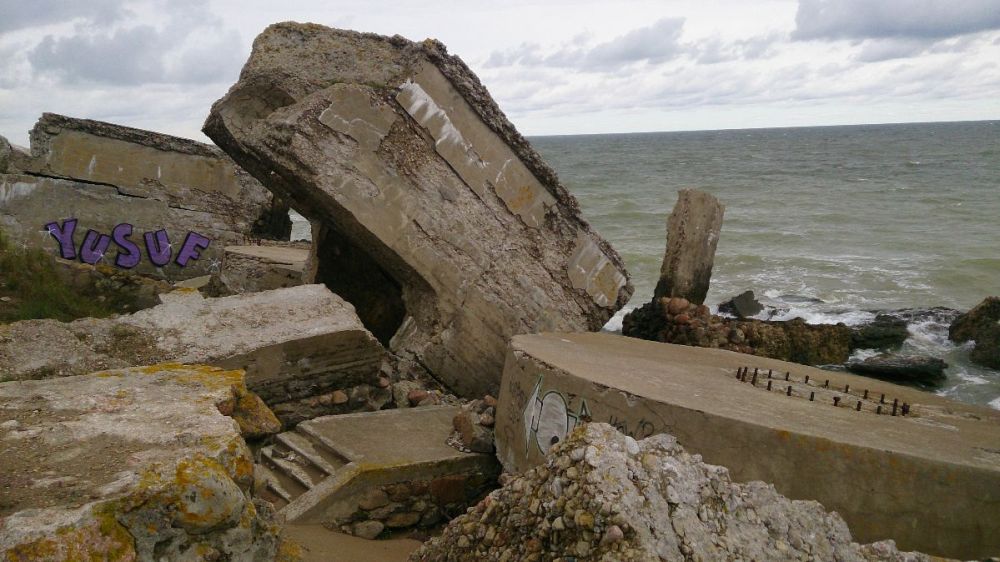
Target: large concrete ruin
[(104, 175), (294, 344), (134, 464), (929, 479), (432, 214)]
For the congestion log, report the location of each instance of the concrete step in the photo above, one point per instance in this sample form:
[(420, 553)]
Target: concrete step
[(294, 464)]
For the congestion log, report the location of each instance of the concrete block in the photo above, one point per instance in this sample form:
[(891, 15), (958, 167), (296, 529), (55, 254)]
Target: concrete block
[(292, 343), (129, 464), (104, 175), (692, 235), (251, 269), (432, 214), (928, 480)]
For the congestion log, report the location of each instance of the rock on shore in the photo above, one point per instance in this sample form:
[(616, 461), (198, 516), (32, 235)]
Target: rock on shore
[(602, 495), (432, 215), (982, 325)]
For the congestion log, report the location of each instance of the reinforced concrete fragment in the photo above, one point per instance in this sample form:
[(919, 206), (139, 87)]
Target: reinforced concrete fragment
[(930, 479)]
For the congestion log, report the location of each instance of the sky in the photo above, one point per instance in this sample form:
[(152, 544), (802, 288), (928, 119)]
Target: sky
[(555, 67)]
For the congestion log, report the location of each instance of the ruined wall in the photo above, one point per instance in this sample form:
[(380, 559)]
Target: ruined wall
[(104, 175), (458, 236)]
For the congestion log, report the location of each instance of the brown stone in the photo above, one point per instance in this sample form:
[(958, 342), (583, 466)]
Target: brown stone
[(404, 519), (416, 396), (448, 490), (373, 499), (338, 397), (677, 305)]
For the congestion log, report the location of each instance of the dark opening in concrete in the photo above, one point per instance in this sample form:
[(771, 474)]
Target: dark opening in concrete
[(349, 271)]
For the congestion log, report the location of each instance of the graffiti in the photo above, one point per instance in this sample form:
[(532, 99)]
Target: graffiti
[(95, 246), (548, 418), (638, 430)]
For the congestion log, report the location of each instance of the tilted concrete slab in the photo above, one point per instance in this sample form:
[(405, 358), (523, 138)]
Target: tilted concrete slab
[(338, 460), (929, 480), (293, 343), (104, 174), (132, 464), (435, 217)]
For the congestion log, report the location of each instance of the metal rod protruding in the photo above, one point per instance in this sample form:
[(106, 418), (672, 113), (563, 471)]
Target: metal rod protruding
[(866, 394), (788, 391), (787, 374), (882, 400), (836, 401), (878, 410), (826, 384), (769, 386), (769, 371), (811, 396), (847, 388), (807, 379), (858, 407), (906, 408)]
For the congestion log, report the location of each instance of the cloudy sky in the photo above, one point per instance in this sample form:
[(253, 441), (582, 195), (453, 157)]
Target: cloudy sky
[(555, 67)]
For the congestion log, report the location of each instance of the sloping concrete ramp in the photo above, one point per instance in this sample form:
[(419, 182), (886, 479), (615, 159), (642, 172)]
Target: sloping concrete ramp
[(320, 472), (929, 479)]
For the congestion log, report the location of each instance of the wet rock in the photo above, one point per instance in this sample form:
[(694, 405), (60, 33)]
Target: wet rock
[(134, 464), (743, 305), (104, 175), (982, 325), (692, 235), (653, 501), (885, 332), (431, 213), (927, 371), (368, 529)]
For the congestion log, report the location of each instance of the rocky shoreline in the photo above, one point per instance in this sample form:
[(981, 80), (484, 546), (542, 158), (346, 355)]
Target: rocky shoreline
[(378, 380)]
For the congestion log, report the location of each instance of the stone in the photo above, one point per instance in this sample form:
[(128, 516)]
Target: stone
[(373, 499), (402, 520), (129, 464), (473, 436), (743, 305), (416, 396), (664, 504), (105, 175), (367, 529), (693, 230), (431, 213), (982, 325), (919, 370), (338, 397), (885, 332), (293, 343), (809, 450), (251, 269)]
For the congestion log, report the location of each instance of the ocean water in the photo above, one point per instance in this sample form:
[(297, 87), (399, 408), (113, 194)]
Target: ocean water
[(826, 223)]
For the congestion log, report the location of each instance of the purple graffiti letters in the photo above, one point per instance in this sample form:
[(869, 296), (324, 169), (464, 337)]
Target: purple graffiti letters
[(130, 257), (191, 250), (64, 235), (95, 245)]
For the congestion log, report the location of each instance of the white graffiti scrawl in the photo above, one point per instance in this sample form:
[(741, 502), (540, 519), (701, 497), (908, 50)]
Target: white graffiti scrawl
[(548, 419)]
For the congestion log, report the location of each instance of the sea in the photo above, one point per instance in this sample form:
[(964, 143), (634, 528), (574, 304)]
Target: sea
[(830, 224)]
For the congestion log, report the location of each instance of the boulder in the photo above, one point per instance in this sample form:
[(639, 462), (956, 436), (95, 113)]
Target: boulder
[(921, 370), (982, 325), (692, 236), (293, 343), (104, 175), (129, 464), (602, 495), (431, 213), (885, 332), (743, 305)]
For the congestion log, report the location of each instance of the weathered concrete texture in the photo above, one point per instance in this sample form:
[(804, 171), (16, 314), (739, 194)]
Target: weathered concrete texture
[(926, 479), (251, 269), (131, 464), (391, 467), (981, 324), (692, 235), (436, 218), (602, 495), (293, 343), (104, 175)]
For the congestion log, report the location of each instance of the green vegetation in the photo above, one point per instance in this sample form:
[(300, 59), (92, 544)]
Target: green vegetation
[(33, 287)]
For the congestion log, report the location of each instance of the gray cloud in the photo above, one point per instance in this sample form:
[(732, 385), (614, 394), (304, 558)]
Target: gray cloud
[(883, 19), (23, 14), (192, 47), (653, 44)]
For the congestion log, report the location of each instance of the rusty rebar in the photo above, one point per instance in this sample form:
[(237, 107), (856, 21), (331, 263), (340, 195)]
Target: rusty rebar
[(788, 391)]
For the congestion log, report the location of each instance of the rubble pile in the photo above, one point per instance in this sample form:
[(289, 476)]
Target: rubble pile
[(602, 495)]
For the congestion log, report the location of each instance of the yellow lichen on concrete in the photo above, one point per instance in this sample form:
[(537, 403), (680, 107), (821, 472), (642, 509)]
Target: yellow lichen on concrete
[(252, 414), (100, 538)]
